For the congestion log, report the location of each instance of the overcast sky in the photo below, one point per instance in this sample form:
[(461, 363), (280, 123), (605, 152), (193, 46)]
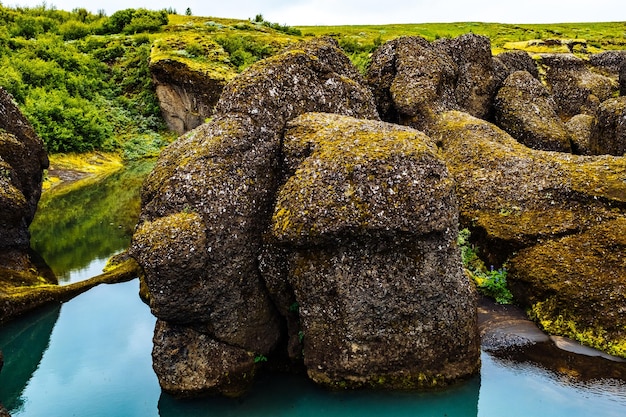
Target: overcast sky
[(349, 12)]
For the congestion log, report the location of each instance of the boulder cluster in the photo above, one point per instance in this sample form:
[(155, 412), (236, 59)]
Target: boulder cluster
[(314, 219)]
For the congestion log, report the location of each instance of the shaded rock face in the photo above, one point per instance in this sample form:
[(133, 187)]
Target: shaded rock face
[(575, 87), (413, 80), (236, 188), (622, 79), (525, 109), (363, 243), (22, 161), (186, 97), (562, 214), (609, 135)]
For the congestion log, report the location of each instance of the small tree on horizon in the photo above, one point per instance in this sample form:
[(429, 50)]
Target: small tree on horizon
[(188, 11)]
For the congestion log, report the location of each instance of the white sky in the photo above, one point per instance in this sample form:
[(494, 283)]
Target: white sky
[(349, 12)]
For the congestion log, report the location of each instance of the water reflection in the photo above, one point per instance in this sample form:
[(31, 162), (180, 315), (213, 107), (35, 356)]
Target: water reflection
[(23, 343), (279, 395), (73, 228)]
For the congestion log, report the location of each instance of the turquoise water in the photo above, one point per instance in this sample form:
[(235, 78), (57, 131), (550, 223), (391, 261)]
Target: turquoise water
[(91, 358)]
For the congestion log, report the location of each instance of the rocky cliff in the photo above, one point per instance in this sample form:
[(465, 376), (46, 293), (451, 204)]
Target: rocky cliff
[(297, 224)]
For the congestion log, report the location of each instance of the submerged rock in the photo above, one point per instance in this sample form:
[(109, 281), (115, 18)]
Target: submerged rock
[(525, 109), (365, 224)]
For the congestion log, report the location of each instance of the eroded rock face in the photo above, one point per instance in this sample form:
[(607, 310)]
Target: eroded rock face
[(526, 110), (22, 161), (576, 89), (187, 96), (363, 243), (622, 79), (212, 192), (413, 80)]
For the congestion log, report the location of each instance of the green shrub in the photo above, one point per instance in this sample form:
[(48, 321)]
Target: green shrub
[(492, 282)]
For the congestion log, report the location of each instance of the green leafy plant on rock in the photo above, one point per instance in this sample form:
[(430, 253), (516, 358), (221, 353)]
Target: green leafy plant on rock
[(490, 282)]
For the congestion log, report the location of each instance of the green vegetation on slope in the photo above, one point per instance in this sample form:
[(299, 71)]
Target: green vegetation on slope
[(83, 80)]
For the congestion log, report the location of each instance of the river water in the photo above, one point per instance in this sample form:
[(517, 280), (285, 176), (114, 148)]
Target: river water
[(91, 356)]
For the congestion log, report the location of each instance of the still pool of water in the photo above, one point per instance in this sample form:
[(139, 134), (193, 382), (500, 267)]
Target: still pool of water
[(91, 358)]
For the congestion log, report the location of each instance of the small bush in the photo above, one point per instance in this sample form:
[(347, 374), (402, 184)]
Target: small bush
[(492, 282)]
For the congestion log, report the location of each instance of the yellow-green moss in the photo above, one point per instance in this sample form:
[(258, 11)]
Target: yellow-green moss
[(563, 323)]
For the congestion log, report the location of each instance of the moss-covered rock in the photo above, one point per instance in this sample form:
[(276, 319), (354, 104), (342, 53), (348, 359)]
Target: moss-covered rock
[(363, 243), (581, 128), (213, 191), (576, 286), (191, 364), (609, 135), (575, 86), (562, 214), (476, 82), (22, 161), (513, 61), (525, 109), (515, 196), (414, 79)]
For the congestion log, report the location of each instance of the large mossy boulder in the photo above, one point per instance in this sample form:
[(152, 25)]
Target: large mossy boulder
[(557, 218), (362, 241), (515, 196), (576, 87), (526, 110), (576, 285), (413, 80), (212, 193)]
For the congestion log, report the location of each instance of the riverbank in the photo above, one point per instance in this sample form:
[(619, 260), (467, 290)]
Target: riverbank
[(75, 170)]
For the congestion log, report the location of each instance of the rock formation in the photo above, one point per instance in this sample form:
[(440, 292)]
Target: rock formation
[(366, 223), (188, 93), (609, 135), (546, 213), (526, 110), (217, 191), (575, 87), (22, 161), (413, 79), (297, 222)]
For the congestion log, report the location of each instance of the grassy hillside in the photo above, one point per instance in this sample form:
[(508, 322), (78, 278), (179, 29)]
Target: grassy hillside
[(83, 79)]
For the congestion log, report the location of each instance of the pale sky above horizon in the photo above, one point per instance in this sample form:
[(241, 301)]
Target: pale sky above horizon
[(352, 12)]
